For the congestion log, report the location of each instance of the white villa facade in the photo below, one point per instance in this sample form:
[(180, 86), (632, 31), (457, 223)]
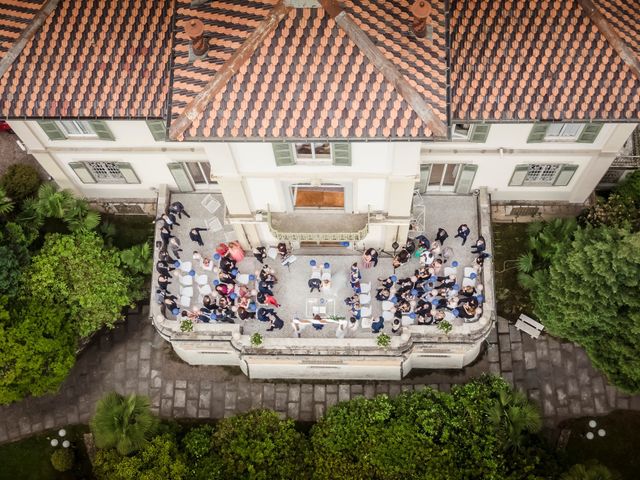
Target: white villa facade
[(129, 164)]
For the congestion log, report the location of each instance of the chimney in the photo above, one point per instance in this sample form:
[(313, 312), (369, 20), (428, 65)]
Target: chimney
[(195, 31), (421, 11)]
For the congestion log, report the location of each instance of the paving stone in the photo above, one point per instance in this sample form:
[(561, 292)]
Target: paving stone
[(281, 401), (24, 426), (319, 392), (204, 401), (205, 385), (503, 325), (562, 412), (356, 390), (568, 366), (505, 361), (504, 342), (530, 360), (600, 404), (145, 351), (611, 395), (597, 385), (494, 368), (193, 389), (167, 388), (179, 399), (244, 395), (294, 392), (382, 389), (534, 395), (144, 368), (369, 390), (444, 387), (493, 336), (204, 413), (268, 395), (493, 353), (556, 358), (622, 403), (516, 352), (344, 393), (192, 408), (544, 368), (318, 410), (542, 349), (634, 402), (548, 408), (282, 387), (306, 402), (306, 388), (394, 389), (515, 335), (230, 397), (166, 407), (552, 342), (181, 384), (568, 348), (583, 377), (407, 388), (561, 395), (132, 361), (508, 376), (572, 387), (332, 388), (582, 359), (143, 387), (156, 379), (332, 399), (256, 395), (293, 410)]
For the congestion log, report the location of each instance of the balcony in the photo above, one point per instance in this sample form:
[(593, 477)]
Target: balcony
[(318, 227)]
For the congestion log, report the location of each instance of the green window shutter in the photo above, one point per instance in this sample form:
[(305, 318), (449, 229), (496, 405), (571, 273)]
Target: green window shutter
[(283, 154), (341, 154), (83, 173), (538, 131), (157, 129), (465, 179), (52, 129), (480, 133), (425, 170), (128, 173), (565, 175), (180, 176), (101, 129), (589, 133), (519, 174)]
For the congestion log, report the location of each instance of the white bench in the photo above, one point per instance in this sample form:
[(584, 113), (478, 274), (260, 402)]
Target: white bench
[(529, 325)]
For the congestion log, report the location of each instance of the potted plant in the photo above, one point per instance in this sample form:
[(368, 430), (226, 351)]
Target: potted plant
[(383, 340), (256, 339)]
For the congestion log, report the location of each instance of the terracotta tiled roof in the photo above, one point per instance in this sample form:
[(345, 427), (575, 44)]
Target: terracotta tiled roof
[(93, 58), (541, 59), (15, 16), (308, 80), (624, 16)]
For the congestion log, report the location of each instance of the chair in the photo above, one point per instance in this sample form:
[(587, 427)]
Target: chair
[(210, 203), (407, 320), (202, 280), (186, 280), (365, 311), (469, 282), (316, 272), (387, 305), (213, 224), (387, 316), (186, 291), (204, 290), (326, 275), (186, 266), (468, 271), (242, 278), (365, 287), (185, 301), (365, 299), (365, 322), (450, 271)]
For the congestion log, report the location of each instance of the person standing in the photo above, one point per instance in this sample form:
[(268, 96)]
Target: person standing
[(260, 253), (442, 235), (174, 245), (177, 208), (370, 257), (165, 234), (463, 233), (479, 246), (194, 235)]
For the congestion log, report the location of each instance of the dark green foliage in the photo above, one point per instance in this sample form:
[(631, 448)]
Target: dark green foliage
[(203, 463), (258, 445), (62, 459), (6, 203), (159, 459), (37, 349), (14, 256), (630, 187), (426, 434), (621, 209), (123, 423), (589, 295), (589, 471), (20, 181)]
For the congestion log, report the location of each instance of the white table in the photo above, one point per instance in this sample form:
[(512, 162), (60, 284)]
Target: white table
[(314, 306)]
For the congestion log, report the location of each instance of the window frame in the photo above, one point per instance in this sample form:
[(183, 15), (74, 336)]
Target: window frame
[(458, 136), (80, 125), (537, 182), (198, 185), (314, 158), (563, 138)]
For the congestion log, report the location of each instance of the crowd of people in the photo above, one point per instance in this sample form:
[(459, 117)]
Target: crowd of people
[(432, 294)]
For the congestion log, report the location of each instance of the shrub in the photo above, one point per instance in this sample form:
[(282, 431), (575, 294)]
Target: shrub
[(256, 339), (20, 181), (258, 445), (186, 326), (63, 459), (383, 340), (159, 459), (445, 327), (197, 443), (123, 423)]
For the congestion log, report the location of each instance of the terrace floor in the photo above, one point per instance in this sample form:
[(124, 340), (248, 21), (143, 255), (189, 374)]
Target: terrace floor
[(292, 290)]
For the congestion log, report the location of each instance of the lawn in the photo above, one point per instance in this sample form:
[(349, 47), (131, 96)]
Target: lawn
[(509, 241), (29, 459), (615, 449)]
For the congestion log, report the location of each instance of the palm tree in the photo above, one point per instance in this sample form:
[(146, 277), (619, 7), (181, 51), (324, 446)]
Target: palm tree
[(6, 204), (514, 417), (123, 423), (589, 471), (52, 202)]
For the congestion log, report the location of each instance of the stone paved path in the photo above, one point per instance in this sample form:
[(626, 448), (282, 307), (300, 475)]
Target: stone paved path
[(132, 358)]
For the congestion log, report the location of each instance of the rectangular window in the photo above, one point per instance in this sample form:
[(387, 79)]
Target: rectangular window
[(200, 173), (322, 196), (77, 128), (106, 172), (541, 174), (461, 131), (313, 151), (563, 132)]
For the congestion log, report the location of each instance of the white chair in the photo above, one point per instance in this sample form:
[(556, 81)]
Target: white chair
[(450, 271), (469, 282), (242, 278), (468, 271), (186, 280), (210, 203), (365, 322), (365, 311), (365, 299), (365, 287), (185, 301), (186, 291), (319, 310), (387, 305), (316, 272), (213, 224), (202, 280), (387, 316), (407, 320), (185, 266), (326, 275), (205, 290)]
